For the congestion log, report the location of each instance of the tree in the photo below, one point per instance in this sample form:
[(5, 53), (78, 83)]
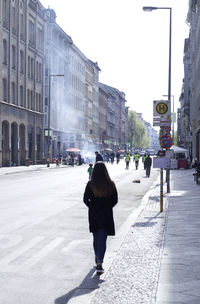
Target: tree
[(137, 135), (175, 138)]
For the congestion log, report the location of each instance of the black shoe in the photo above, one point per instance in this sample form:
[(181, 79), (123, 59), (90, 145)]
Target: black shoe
[(99, 269)]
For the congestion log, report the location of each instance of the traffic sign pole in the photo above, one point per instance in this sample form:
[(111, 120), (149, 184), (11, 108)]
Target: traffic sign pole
[(161, 189)]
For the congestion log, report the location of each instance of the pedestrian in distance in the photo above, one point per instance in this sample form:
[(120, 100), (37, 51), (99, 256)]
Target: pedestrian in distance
[(127, 160), (100, 197), (98, 157), (136, 158), (147, 163), (118, 157), (143, 160), (72, 160), (79, 159), (90, 169), (112, 157)]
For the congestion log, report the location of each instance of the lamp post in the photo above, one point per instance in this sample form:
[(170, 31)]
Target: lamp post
[(49, 114), (150, 9), (173, 120)]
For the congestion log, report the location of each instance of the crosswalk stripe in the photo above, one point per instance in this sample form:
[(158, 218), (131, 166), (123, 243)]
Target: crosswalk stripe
[(16, 253), (42, 253)]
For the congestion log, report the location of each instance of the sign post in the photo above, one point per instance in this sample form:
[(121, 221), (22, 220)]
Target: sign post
[(162, 118)]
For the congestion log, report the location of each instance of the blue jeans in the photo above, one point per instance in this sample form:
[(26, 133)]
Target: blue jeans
[(99, 244), (148, 170)]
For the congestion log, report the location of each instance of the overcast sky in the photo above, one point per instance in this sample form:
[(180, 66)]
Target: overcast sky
[(131, 46)]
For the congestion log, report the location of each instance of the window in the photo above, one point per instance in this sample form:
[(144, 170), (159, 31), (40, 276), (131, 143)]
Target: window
[(5, 10), (13, 57), (4, 89), (40, 72), (5, 51), (40, 38), (22, 26), (31, 31), (21, 92), (13, 15), (37, 102), (40, 103), (29, 66), (21, 5), (32, 101), (28, 97), (13, 97), (21, 62), (37, 71), (32, 68)]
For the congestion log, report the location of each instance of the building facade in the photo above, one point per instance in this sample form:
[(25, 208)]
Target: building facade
[(22, 33), (190, 97), (50, 97), (117, 116)]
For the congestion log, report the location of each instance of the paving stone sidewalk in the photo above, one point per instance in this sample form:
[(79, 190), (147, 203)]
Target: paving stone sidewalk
[(158, 261), (133, 275)]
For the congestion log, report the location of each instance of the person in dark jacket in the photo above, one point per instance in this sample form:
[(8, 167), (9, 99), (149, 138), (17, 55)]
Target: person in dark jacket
[(147, 165), (100, 197), (98, 157)]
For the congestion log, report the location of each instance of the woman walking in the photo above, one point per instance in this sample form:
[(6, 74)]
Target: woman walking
[(100, 197)]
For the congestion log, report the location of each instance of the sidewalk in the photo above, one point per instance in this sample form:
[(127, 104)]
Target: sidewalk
[(18, 169), (158, 261)]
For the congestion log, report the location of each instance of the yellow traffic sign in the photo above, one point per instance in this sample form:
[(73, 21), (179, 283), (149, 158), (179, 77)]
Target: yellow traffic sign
[(161, 108)]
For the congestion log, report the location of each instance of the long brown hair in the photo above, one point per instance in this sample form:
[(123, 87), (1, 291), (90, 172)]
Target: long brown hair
[(101, 183)]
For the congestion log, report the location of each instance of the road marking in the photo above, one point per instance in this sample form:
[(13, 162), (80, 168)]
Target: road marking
[(16, 253), (42, 253), (73, 244), (7, 241)]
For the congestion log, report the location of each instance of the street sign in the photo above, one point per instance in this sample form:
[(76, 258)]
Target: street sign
[(166, 141), (161, 162), (161, 108)]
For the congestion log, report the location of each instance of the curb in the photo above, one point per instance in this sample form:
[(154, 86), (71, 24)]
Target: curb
[(87, 294)]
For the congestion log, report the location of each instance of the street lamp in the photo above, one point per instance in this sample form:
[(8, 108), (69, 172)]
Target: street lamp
[(149, 9), (49, 112)]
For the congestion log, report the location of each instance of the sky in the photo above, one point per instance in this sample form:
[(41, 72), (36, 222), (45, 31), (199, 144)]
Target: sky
[(131, 46)]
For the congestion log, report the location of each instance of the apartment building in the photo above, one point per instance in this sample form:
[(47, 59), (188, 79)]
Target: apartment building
[(50, 90), (22, 33), (190, 98), (58, 81), (103, 116), (117, 116)]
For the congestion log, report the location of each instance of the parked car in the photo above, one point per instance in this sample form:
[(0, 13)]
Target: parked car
[(142, 153)]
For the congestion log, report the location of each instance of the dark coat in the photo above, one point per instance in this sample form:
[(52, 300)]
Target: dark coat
[(100, 210), (148, 162)]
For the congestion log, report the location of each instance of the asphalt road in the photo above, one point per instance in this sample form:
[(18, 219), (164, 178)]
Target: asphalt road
[(45, 245)]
